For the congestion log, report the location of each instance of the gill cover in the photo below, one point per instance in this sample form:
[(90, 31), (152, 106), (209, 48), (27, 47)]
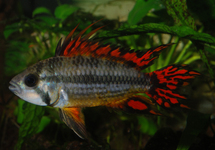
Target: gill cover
[(24, 85)]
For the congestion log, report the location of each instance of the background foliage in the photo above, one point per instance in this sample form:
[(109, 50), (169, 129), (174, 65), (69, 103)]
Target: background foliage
[(34, 38)]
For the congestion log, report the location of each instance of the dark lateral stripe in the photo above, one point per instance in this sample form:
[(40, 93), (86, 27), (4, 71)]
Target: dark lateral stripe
[(39, 67), (97, 79), (44, 96)]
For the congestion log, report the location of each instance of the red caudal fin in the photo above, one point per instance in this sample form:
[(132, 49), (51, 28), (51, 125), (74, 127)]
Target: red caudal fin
[(166, 83), (137, 104)]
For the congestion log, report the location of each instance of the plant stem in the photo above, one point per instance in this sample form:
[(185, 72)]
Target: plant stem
[(160, 61), (193, 58), (132, 38), (183, 52), (206, 61), (160, 58), (169, 56)]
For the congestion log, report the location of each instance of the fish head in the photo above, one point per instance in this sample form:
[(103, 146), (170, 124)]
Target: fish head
[(25, 86)]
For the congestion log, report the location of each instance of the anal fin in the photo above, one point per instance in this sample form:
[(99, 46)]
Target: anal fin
[(74, 118), (137, 104)]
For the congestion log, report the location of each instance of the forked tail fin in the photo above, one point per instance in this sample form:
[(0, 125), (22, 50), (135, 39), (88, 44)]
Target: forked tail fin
[(166, 83)]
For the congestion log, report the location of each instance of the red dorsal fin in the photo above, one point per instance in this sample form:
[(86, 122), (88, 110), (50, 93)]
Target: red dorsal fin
[(83, 45)]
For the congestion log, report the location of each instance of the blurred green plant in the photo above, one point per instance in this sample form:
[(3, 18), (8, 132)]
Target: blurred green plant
[(19, 111), (31, 122), (47, 28), (41, 45), (142, 8), (147, 126), (196, 122), (179, 12)]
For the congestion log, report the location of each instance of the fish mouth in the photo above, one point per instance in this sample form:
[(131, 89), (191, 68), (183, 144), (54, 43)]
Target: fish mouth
[(14, 87)]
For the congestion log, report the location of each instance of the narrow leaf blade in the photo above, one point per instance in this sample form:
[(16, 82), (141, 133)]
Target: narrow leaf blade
[(141, 8)]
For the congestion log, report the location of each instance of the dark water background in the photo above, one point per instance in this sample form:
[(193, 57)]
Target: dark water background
[(110, 129)]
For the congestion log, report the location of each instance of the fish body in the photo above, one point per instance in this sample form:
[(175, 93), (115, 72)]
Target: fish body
[(86, 81), (86, 73)]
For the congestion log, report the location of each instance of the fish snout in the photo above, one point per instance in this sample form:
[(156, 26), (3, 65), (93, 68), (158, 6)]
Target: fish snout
[(14, 87)]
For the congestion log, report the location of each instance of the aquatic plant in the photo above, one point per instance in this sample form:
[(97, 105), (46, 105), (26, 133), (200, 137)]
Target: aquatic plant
[(34, 39)]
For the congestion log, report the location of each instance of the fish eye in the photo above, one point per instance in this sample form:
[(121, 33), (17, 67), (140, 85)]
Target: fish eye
[(31, 80)]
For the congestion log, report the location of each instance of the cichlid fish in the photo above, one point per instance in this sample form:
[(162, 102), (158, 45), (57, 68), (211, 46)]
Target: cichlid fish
[(86, 73)]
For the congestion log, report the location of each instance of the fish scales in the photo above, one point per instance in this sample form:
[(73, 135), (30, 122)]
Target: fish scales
[(91, 80), (86, 73)]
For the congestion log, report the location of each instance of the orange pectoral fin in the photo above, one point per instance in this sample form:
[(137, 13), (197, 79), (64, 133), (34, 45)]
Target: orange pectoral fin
[(74, 118), (137, 104)]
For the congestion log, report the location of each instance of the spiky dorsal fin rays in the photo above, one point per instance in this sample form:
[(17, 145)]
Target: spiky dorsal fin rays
[(61, 48), (82, 45)]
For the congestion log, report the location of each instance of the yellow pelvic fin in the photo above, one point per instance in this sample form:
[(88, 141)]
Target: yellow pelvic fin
[(74, 118)]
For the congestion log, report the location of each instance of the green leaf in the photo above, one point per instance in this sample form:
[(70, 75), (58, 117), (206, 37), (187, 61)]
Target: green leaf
[(141, 8), (147, 126), (181, 55), (47, 19), (210, 49), (171, 51), (180, 31), (41, 10), (43, 123), (206, 61), (17, 51), (63, 11), (9, 29), (196, 123), (178, 10), (191, 59), (20, 115), (144, 124), (32, 116)]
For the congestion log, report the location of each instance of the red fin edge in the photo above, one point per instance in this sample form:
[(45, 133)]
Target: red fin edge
[(137, 104), (82, 45), (167, 81)]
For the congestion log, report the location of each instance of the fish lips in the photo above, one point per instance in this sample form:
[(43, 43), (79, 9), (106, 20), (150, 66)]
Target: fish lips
[(15, 88)]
